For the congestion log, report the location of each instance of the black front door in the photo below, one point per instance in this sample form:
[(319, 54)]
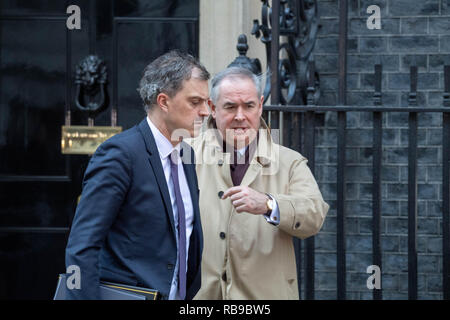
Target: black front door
[(39, 186)]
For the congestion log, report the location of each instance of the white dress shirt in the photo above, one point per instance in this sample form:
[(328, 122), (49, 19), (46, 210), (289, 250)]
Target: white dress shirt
[(165, 148)]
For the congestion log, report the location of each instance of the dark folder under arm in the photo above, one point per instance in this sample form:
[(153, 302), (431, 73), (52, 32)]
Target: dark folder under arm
[(110, 291)]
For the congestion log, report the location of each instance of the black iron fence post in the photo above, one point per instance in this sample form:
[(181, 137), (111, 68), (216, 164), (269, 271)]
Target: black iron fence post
[(376, 182), (446, 187), (309, 149), (412, 189), (341, 138)]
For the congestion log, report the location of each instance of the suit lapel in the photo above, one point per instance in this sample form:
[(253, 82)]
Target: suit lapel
[(189, 171), (196, 244), (155, 162)]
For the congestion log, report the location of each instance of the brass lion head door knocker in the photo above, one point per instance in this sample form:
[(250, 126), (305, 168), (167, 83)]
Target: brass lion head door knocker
[(90, 81), (91, 98)]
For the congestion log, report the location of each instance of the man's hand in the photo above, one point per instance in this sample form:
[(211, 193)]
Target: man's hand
[(247, 199)]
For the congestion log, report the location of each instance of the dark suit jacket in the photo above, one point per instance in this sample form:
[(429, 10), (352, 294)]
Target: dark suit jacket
[(123, 229)]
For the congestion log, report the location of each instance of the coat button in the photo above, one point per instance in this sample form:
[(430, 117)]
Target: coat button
[(224, 276), (220, 162), (222, 235), (220, 194), (297, 225), (170, 266)]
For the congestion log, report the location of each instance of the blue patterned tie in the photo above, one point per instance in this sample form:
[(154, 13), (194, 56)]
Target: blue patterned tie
[(181, 226)]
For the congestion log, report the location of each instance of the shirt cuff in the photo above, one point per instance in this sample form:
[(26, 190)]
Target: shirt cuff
[(274, 217)]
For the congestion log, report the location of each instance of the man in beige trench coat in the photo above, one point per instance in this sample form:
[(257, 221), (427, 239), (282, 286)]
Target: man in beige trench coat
[(253, 198)]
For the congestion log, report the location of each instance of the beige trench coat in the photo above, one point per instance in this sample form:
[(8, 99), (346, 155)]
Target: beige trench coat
[(257, 257)]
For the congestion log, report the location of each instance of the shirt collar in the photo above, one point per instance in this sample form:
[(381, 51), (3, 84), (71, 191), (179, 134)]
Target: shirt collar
[(241, 152), (164, 146)]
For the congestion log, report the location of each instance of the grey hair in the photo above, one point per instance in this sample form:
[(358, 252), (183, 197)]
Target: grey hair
[(234, 72), (166, 74)]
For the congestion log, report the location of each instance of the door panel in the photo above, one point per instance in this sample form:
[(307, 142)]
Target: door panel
[(31, 113), (157, 8), (30, 263), (35, 204), (155, 38), (24, 7)]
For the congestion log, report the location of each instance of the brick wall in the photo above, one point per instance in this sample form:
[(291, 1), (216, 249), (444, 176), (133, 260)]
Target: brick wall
[(410, 29)]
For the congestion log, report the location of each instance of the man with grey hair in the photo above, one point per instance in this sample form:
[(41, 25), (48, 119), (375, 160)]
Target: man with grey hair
[(138, 220), (263, 195)]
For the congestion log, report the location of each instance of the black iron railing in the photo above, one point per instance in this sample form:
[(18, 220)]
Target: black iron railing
[(309, 112)]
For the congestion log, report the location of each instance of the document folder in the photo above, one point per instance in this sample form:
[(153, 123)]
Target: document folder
[(110, 291)]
